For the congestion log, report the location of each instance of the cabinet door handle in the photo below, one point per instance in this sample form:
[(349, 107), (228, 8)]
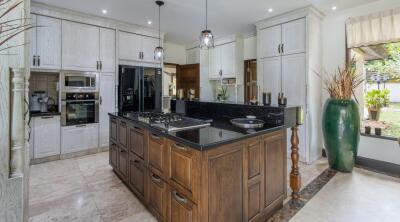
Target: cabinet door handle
[(142, 55), (136, 161), (181, 147), (279, 49), (47, 117), (34, 60), (282, 49), (122, 151), (154, 136), (101, 100), (155, 178), (179, 198), (97, 65), (101, 65), (38, 61)]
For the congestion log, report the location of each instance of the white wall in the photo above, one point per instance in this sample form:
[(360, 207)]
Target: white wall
[(334, 54), (175, 53)]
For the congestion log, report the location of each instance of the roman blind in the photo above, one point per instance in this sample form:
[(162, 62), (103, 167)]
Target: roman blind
[(373, 29)]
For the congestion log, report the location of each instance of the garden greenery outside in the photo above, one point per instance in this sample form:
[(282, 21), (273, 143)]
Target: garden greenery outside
[(383, 109)]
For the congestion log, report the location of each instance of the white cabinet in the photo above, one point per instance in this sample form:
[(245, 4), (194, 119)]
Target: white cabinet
[(269, 41), (285, 39), (271, 76), (107, 105), (133, 47), (193, 56), (46, 136), (294, 37), (79, 138), (294, 78), (148, 46), (107, 50), (46, 43), (222, 61), (80, 46)]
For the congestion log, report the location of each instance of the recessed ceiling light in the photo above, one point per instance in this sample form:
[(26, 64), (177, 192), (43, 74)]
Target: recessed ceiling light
[(104, 11), (149, 22), (334, 8), (270, 10)]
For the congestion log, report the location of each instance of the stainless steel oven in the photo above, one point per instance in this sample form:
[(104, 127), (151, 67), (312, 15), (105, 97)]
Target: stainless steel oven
[(79, 108), (72, 81)]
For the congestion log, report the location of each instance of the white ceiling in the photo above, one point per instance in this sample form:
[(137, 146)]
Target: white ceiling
[(183, 20)]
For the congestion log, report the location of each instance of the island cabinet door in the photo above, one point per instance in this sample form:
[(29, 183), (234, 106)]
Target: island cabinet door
[(253, 180), (157, 157), (123, 163), (156, 197), (180, 208), (113, 129), (222, 184), (184, 169), (137, 175), (123, 134), (113, 155), (274, 146), (137, 141)]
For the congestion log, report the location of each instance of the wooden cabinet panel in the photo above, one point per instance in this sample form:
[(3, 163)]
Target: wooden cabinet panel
[(148, 46), (254, 196), (225, 181), (113, 155), (137, 141), (269, 41), (48, 40), (181, 209), (46, 140), (214, 62), (275, 170), (123, 159), (294, 37), (130, 46), (228, 61), (113, 129), (157, 154), (184, 169), (271, 76), (254, 159), (137, 175), (79, 137), (107, 50), (123, 134), (157, 196)]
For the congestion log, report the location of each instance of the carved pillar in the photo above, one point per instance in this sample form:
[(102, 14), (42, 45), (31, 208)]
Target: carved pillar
[(295, 179), (17, 123)]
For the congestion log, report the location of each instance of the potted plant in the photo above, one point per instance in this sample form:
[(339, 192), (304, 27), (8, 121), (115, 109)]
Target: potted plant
[(375, 100), (341, 119)]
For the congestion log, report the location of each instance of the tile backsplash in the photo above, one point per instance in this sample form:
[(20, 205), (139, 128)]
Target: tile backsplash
[(48, 82)]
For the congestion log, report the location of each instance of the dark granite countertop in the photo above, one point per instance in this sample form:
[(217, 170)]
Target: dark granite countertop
[(220, 132), (39, 114)]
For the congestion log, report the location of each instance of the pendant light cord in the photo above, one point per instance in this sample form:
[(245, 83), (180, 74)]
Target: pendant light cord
[(206, 14), (159, 25)]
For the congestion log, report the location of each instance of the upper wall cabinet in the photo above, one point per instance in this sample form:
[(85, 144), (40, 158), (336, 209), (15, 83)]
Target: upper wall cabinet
[(80, 46), (46, 43), (107, 50), (138, 48), (286, 39), (225, 59)]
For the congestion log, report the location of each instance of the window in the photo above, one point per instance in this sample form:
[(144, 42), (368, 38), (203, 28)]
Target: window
[(379, 98)]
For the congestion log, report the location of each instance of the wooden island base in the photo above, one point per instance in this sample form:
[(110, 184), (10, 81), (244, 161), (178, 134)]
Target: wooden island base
[(240, 181)]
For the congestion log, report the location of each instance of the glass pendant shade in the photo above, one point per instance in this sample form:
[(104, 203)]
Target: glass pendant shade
[(206, 39), (159, 53)]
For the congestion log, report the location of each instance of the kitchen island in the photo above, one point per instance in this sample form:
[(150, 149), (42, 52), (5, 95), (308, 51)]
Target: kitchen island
[(213, 173)]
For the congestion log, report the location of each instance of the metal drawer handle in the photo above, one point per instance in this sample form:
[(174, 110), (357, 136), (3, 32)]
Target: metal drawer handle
[(181, 147), (135, 127), (155, 178), (47, 117), (179, 197), (154, 136), (136, 161), (83, 125)]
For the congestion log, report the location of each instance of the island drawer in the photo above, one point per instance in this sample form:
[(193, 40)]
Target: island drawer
[(180, 208), (157, 154), (156, 198), (184, 169), (137, 141), (137, 175), (122, 134)]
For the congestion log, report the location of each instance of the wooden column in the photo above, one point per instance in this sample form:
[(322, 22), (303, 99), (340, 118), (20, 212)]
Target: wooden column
[(295, 179)]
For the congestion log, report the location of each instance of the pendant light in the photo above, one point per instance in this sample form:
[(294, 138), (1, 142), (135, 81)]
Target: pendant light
[(206, 36), (159, 51)]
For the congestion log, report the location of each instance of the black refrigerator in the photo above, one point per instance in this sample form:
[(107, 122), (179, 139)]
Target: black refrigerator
[(139, 89)]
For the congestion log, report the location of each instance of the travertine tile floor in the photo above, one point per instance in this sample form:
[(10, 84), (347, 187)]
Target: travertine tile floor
[(86, 190)]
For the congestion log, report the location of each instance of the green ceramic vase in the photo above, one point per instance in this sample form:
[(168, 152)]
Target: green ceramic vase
[(341, 129)]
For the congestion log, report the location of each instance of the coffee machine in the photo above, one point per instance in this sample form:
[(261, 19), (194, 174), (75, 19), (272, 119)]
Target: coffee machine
[(38, 101)]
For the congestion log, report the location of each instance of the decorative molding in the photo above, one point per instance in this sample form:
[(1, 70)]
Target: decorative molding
[(17, 123)]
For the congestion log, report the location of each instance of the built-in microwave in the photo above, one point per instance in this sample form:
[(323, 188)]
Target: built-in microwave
[(79, 81)]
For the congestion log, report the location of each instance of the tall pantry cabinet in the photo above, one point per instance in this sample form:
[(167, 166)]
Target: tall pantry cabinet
[(289, 61)]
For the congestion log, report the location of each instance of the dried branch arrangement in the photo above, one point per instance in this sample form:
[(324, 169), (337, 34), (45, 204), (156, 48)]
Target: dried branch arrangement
[(343, 83), (9, 28)]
